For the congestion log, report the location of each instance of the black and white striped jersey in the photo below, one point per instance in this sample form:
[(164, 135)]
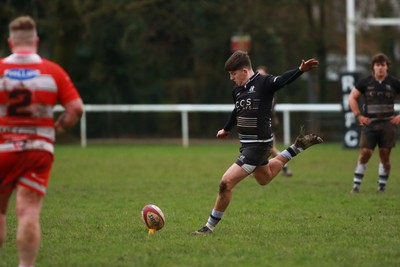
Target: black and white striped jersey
[(379, 96), (253, 106)]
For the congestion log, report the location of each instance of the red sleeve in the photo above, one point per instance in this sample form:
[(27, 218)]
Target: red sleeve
[(66, 89)]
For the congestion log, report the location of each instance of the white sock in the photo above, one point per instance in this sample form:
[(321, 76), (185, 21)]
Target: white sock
[(214, 219)]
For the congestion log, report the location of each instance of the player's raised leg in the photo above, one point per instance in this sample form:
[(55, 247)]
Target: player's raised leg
[(266, 173)]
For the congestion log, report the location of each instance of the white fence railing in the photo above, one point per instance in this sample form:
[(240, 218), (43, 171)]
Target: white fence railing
[(184, 109)]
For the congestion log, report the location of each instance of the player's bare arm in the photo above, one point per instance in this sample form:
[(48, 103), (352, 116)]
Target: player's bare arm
[(71, 115), (353, 97)]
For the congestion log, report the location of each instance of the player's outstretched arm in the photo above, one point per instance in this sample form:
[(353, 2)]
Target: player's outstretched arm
[(291, 75)]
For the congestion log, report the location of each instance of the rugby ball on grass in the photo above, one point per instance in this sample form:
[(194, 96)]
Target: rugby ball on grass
[(153, 217)]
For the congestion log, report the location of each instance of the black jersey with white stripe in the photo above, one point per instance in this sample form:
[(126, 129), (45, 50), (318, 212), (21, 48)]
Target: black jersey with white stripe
[(379, 96), (253, 106)]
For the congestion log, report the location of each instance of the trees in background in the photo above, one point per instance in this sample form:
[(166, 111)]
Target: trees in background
[(172, 51)]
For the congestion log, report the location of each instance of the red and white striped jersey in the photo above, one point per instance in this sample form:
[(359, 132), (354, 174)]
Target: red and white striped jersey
[(30, 87)]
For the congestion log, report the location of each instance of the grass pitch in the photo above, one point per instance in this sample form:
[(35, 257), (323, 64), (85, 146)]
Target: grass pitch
[(91, 215)]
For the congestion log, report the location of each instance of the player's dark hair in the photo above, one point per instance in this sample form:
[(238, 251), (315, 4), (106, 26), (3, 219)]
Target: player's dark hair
[(239, 59), (380, 58)]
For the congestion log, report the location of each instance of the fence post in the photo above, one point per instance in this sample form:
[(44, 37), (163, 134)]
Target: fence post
[(185, 128), (286, 127), (83, 130)]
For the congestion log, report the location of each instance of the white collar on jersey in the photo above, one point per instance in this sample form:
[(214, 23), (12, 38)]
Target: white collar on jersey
[(23, 58)]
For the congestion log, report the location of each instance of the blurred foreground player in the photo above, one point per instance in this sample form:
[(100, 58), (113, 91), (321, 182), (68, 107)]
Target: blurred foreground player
[(30, 86)]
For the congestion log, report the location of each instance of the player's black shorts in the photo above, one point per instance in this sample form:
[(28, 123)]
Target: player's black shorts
[(253, 155), (379, 133)]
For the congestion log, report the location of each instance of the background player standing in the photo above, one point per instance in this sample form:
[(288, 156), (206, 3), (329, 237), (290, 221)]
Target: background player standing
[(30, 86), (378, 119)]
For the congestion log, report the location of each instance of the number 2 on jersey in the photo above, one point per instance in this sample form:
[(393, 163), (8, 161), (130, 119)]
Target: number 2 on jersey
[(20, 98)]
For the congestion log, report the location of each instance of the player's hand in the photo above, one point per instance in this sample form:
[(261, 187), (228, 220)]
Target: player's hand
[(59, 129), (308, 64), (364, 120), (395, 120), (222, 133)]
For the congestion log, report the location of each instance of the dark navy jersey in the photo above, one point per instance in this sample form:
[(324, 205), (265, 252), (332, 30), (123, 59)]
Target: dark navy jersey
[(379, 96), (253, 106)]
